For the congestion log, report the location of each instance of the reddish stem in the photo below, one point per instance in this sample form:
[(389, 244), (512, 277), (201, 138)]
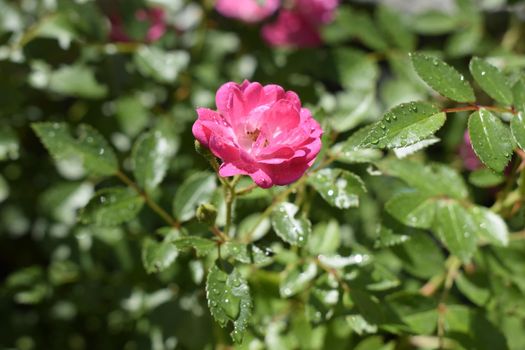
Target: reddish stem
[(477, 108)]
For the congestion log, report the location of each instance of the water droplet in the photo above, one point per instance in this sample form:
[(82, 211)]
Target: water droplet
[(101, 151), (330, 193), (483, 73)]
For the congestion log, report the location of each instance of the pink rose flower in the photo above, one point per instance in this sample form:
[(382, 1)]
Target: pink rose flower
[(155, 18), (250, 11), (260, 131), (471, 162), (299, 25)]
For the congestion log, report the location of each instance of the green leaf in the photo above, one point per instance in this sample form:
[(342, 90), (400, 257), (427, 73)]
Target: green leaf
[(247, 253), (404, 125), (491, 139), (157, 256), (340, 188), (517, 128), (485, 178), (394, 28), (292, 230), (202, 246), (475, 287), (350, 151), (421, 256), (297, 279), (76, 80), (456, 229), (387, 238), (9, 147), (518, 91), (365, 30), (418, 312), (443, 78), (356, 70), (361, 326), (229, 300), (433, 179), (325, 238), (160, 65), (489, 225), (403, 152), (111, 207), (412, 209), (434, 22), (195, 190), (491, 80), (132, 114), (151, 156), (91, 147)]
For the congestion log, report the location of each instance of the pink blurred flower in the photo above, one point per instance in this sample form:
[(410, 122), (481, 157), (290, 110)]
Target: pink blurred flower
[(250, 11), (291, 29), (155, 18), (260, 131), (471, 162), (299, 25)]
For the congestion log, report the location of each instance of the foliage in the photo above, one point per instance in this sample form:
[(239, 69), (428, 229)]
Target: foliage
[(115, 232)]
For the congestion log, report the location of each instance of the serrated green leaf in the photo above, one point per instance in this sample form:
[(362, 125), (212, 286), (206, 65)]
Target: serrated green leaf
[(340, 188), (394, 28), (489, 225), (163, 66), (485, 178), (518, 91), (412, 209), (404, 125), (195, 190), (112, 206), (433, 179), (202, 246), (151, 156), (491, 139), (491, 80), (157, 256), (456, 229), (443, 78), (291, 229), (296, 280), (464, 42), (229, 300), (517, 128), (349, 151), (96, 154)]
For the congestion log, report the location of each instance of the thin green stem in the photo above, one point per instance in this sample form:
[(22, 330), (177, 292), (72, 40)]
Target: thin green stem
[(453, 265), (147, 199)]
